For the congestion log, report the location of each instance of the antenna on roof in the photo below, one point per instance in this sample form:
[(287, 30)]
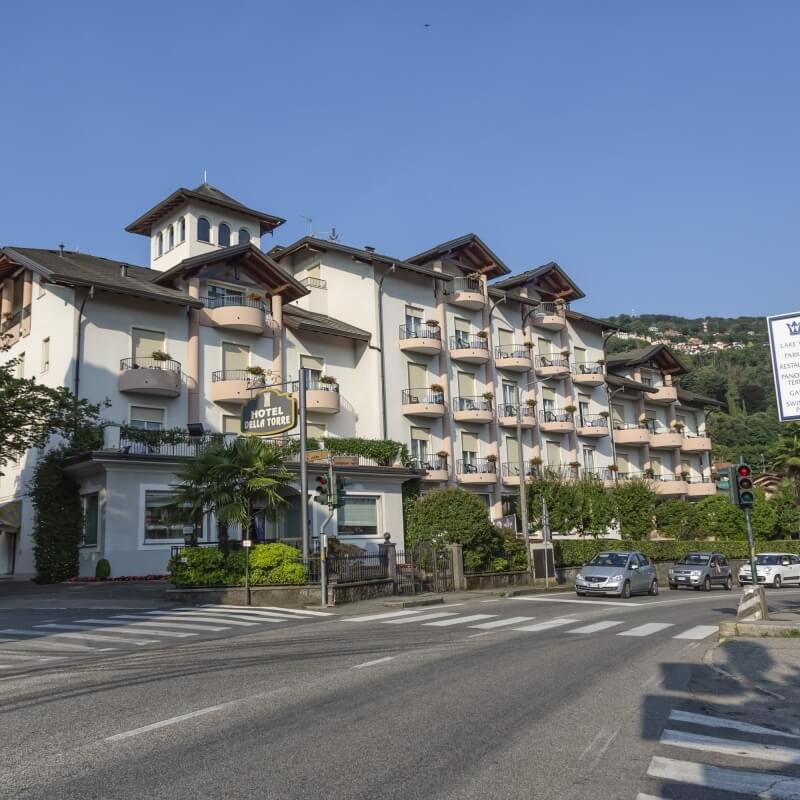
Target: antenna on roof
[(61, 248), (309, 220), (205, 176), (334, 235)]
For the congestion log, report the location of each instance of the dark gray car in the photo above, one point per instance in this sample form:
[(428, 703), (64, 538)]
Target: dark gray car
[(702, 570), (617, 572)]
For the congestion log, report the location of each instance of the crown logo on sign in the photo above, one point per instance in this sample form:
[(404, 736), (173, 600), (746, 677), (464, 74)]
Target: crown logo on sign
[(794, 328)]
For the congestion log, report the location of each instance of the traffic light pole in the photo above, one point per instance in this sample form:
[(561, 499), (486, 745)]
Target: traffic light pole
[(751, 544), (323, 538)]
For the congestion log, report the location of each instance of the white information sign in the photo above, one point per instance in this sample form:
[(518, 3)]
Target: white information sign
[(784, 343)]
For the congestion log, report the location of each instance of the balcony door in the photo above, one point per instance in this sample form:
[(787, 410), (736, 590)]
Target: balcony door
[(235, 357), (146, 342), (583, 408), (545, 347), (314, 365), (618, 415), (220, 295), (466, 391), (413, 321), (579, 355), (462, 331), (469, 449), (509, 398), (512, 455), (553, 451), (588, 461), (657, 466), (417, 376), (420, 445), (548, 403), (505, 339)]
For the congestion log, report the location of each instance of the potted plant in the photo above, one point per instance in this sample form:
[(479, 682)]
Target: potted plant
[(536, 461), (613, 468), (601, 361), (488, 395), (529, 345), (160, 355), (254, 296), (327, 380), (437, 388), (570, 409), (473, 276), (443, 454), (574, 464), (685, 475), (491, 458), (604, 414), (432, 323), (532, 402), (649, 474), (677, 425), (565, 352), (482, 335), (256, 370)]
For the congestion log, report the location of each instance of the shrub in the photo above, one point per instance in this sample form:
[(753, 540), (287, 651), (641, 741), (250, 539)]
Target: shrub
[(676, 518), (269, 556), (718, 517), (198, 566), (102, 570), (634, 507), (561, 502), (291, 573), (787, 514)]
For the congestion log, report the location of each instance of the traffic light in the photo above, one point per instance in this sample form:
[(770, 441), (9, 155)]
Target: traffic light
[(323, 494), (341, 489), (744, 495)]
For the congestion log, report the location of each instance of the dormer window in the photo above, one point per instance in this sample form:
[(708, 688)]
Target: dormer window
[(203, 230), (171, 237), (160, 244), (224, 235), (244, 236), (182, 229)]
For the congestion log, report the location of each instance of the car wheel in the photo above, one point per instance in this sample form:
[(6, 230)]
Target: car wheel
[(728, 583), (707, 584), (673, 586), (777, 582), (626, 590), (653, 588), (580, 594)]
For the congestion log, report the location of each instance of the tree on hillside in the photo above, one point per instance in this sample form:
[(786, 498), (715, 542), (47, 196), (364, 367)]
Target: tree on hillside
[(787, 514), (748, 437)]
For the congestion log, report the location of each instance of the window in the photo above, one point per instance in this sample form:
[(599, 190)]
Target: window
[(358, 516), (466, 391), (545, 347), (45, 354), (182, 229), (548, 401), (235, 357), (413, 320), (224, 235), (21, 365), (147, 419), (583, 408), (469, 448), (314, 365), (90, 503), (171, 237), (462, 329), (618, 415), (588, 459), (203, 230), (145, 342), (417, 376), (219, 296), (316, 430), (157, 524), (656, 466), (509, 399), (420, 441), (244, 236), (160, 244), (579, 355), (231, 424), (553, 450), (506, 338), (512, 454)]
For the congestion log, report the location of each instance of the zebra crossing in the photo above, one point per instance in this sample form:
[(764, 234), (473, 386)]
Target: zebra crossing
[(696, 746), (49, 642), (428, 618)]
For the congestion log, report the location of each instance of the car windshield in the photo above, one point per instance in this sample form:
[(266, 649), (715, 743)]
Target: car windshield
[(768, 560), (698, 559), (609, 560)]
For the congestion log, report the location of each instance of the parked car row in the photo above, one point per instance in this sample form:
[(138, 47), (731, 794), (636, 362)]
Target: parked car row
[(622, 573)]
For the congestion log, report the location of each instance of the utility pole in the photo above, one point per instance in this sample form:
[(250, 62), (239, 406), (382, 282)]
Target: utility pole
[(301, 392), (546, 537), (523, 494), (323, 537)]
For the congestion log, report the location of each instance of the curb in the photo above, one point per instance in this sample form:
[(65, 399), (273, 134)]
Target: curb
[(759, 629), (417, 602), (708, 660)]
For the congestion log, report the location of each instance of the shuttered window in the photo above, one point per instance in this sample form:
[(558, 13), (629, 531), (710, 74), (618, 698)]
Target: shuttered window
[(145, 342), (512, 450), (505, 337), (553, 454), (417, 376), (466, 384), (235, 356)]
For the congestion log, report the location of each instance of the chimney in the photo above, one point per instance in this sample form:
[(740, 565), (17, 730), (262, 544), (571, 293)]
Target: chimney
[(123, 270)]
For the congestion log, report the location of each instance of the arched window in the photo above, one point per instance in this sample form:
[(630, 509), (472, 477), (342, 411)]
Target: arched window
[(160, 244), (244, 235), (203, 230), (182, 229), (224, 235), (171, 237)]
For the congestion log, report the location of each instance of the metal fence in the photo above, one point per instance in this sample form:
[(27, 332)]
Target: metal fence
[(424, 569)]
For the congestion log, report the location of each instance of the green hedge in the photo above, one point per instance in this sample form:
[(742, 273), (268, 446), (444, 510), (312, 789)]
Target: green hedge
[(270, 565), (574, 552)]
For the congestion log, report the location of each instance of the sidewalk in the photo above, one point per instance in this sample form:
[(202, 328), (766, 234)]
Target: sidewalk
[(113, 594)]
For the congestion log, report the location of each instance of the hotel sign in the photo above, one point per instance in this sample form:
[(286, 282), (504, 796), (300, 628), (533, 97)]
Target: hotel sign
[(269, 413), (784, 344)]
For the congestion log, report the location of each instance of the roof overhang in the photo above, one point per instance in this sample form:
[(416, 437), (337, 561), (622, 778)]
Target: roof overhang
[(549, 280), (469, 253), (618, 382)]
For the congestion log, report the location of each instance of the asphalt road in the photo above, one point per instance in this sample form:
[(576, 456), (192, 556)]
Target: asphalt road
[(517, 698)]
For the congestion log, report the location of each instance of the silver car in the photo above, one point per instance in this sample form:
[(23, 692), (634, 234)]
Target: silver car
[(617, 572), (701, 570)]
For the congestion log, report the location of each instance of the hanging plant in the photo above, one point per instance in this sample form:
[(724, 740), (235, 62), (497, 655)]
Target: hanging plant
[(256, 370), (601, 361), (474, 276), (570, 409), (536, 461), (532, 402), (575, 464), (437, 387), (328, 380), (491, 458), (528, 345), (160, 355), (488, 395), (255, 296), (604, 414), (677, 425), (432, 323), (613, 468), (443, 454), (482, 335)]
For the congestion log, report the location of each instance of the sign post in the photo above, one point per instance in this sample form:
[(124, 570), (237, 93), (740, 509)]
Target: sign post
[(301, 394), (247, 544), (784, 345)]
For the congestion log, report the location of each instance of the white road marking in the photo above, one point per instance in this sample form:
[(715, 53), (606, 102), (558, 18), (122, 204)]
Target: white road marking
[(577, 602), (22, 657), (190, 625), (97, 637), (733, 747), (499, 623), (372, 663), (138, 627), (458, 620), (601, 742), (422, 618), (734, 724), (654, 680), (40, 641), (647, 629), (164, 723), (298, 611), (597, 626), (218, 620), (552, 623), (765, 785), (495, 600), (131, 629), (261, 616), (240, 619), (698, 632), (408, 612)]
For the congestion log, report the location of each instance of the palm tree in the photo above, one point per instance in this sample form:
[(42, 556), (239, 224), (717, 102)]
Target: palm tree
[(785, 457), (230, 480)]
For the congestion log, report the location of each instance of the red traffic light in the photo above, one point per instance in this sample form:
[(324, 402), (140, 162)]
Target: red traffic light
[(744, 471), (322, 481)]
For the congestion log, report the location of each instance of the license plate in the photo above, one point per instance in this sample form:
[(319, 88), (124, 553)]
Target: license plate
[(683, 579)]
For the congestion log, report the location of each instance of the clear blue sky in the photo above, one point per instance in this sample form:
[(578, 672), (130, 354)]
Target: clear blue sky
[(651, 148)]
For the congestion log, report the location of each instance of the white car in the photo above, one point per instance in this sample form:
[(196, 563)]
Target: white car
[(773, 569)]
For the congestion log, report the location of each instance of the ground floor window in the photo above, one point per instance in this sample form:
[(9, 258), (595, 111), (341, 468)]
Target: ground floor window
[(158, 526), (358, 516), (90, 504), (147, 419)]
